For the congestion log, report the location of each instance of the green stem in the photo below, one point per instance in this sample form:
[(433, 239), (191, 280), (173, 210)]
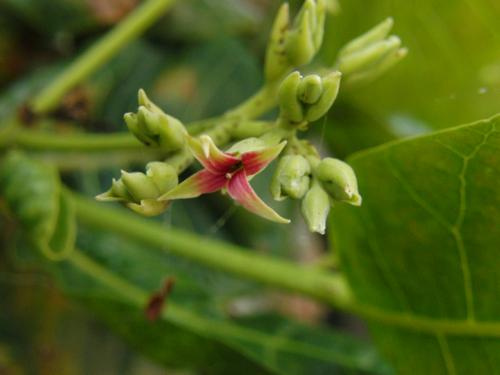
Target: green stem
[(315, 283), (86, 64), (90, 161), (215, 254), (41, 140), (261, 102)]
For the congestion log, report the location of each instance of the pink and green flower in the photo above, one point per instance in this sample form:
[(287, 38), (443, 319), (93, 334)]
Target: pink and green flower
[(228, 171)]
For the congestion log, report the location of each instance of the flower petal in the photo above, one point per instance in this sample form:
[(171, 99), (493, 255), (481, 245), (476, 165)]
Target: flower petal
[(202, 182), (210, 156), (240, 190), (255, 161)]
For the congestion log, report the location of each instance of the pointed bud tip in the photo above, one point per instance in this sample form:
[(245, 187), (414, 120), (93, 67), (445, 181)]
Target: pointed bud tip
[(142, 98)]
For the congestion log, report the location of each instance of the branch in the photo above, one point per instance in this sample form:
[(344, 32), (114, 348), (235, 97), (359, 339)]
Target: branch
[(100, 52)]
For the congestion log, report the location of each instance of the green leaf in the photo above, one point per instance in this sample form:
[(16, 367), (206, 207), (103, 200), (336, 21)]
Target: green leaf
[(423, 249), (113, 278)]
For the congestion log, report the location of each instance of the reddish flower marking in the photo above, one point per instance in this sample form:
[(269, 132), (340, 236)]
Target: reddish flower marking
[(229, 171)]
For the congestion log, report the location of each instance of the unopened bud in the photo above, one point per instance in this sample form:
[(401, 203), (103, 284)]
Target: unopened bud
[(276, 60), (379, 68), (339, 180), (294, 45), (139, 191), (315, 208), (291, 178), (300, 47), (155, 128), (163, 175), (371, 54), (361, 60), (310, 89), (139, 185), (331, 85)]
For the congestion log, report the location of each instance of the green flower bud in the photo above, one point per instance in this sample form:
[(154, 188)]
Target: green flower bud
[(276, 60), (379, 68), (299, 44), (163, 175), (155, 128), (291, 178), (363, 59), (371, 54), (139, 191), (315, 208), (139, 185), (291, 46), (331, 84), (339, 180), (289, 102), (308, 98), (310, 89)]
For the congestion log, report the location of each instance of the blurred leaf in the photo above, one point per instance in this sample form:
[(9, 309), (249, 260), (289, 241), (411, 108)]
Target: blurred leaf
[(205, 19), (32, 192), (425, 243), (451, 74), (52, 16)]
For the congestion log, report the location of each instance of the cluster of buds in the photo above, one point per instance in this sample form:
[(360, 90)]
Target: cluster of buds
[(140, 191), (319, 183), (153, 127), (300, 173), (371, 54), (306, 99), (293, 44)]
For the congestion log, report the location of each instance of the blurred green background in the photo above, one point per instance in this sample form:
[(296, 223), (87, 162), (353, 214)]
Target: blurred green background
[(202, 58)]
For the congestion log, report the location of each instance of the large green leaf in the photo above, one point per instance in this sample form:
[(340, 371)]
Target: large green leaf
[(423, 249)]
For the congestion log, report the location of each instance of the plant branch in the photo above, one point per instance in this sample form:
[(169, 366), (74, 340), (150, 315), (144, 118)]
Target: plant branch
[(324, 286), (42, 140), (71, 142), (216, 254), (258, 104), (102, 51)]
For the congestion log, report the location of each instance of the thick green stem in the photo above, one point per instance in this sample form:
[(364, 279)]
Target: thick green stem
[(43, 140), (40, 140), (312, 282), (216, 254), (99, 53)]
